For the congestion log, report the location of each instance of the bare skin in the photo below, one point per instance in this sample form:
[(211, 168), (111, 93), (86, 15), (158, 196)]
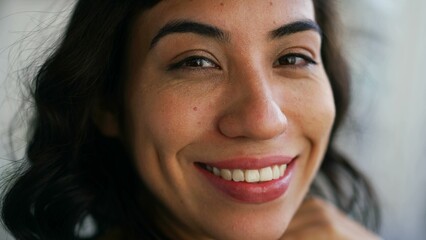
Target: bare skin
[(204, 97), (318, 220)]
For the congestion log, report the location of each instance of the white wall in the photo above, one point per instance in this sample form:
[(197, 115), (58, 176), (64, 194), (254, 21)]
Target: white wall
[(386, 134), (386, 46), (25, 25)]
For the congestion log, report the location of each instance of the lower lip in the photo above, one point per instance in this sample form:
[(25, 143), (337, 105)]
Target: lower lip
[(254, 193)]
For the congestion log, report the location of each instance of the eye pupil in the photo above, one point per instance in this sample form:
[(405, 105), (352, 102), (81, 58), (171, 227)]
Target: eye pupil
[(296, 60), (198, 62), (291, 60), (195, 63)]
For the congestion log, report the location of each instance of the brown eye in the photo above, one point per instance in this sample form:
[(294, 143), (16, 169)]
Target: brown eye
[(194, 62), (294, 59)]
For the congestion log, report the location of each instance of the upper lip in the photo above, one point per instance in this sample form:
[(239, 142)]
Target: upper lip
[(251, 162)]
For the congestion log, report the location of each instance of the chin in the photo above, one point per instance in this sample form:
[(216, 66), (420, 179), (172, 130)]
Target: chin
[(258, 222), (251, 230)]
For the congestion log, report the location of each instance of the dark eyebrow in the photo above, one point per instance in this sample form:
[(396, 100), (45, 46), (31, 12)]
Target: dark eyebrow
[(295, 27), (185, 26)]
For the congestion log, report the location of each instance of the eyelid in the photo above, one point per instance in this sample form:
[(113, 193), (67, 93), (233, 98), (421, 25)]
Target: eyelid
[(192, 55), (308, 59), (180, 64)]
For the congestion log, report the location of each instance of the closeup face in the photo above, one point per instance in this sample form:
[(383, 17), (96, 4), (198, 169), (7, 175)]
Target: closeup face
[(228, 112)]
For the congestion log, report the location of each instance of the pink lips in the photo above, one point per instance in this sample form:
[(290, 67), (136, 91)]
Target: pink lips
[(252, 192), (251, 163)]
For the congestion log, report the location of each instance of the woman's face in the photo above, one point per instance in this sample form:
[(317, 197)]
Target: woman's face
[(222, 96)]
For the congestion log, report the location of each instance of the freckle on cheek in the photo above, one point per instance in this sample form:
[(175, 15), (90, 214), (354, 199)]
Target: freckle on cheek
[(222, 4), (195, 109)]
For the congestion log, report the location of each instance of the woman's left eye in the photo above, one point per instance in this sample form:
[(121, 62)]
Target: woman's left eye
[(295, 60)]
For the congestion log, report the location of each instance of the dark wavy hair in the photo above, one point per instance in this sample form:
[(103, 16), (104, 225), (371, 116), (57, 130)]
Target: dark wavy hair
[(72, 171)]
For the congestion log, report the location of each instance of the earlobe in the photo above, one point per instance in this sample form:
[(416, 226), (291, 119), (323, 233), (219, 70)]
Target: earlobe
[(106, 122)]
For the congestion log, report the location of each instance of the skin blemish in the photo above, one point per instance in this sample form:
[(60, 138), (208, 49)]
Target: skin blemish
[(222, 4), (270, 3), (195, 109)]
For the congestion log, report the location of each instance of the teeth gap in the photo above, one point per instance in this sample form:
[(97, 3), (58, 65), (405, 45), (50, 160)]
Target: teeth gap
[(204, 166)]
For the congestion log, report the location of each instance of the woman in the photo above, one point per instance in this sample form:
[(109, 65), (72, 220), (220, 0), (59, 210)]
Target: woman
[(190, 120)]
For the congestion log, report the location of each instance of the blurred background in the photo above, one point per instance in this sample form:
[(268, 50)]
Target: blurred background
[(385, 134)]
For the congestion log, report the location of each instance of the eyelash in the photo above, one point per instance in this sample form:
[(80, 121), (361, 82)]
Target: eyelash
[(292, 59), (196, 62)]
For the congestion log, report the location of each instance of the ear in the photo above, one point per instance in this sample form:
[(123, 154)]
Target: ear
[(106, 121)]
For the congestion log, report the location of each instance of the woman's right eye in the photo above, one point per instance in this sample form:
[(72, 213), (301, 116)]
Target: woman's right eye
[(194, 63)]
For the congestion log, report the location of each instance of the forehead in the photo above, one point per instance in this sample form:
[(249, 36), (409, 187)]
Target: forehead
[(234, 16), (256, 8)]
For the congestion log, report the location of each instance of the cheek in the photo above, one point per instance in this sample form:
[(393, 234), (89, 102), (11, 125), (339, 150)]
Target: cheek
[(160, 125), (320, 119), (312, 122), (167, 121), (315, 113)]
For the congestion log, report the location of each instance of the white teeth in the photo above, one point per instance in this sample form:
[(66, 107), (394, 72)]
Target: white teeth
[(238, 175), (226, 174), (282, 169), (250, 175), (276, 172), (216, 171), (266, 174)]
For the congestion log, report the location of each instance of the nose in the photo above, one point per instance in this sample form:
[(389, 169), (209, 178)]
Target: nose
[(252, 111)]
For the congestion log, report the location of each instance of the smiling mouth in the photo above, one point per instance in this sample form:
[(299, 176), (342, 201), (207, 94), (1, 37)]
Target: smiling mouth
[(261, 175)]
